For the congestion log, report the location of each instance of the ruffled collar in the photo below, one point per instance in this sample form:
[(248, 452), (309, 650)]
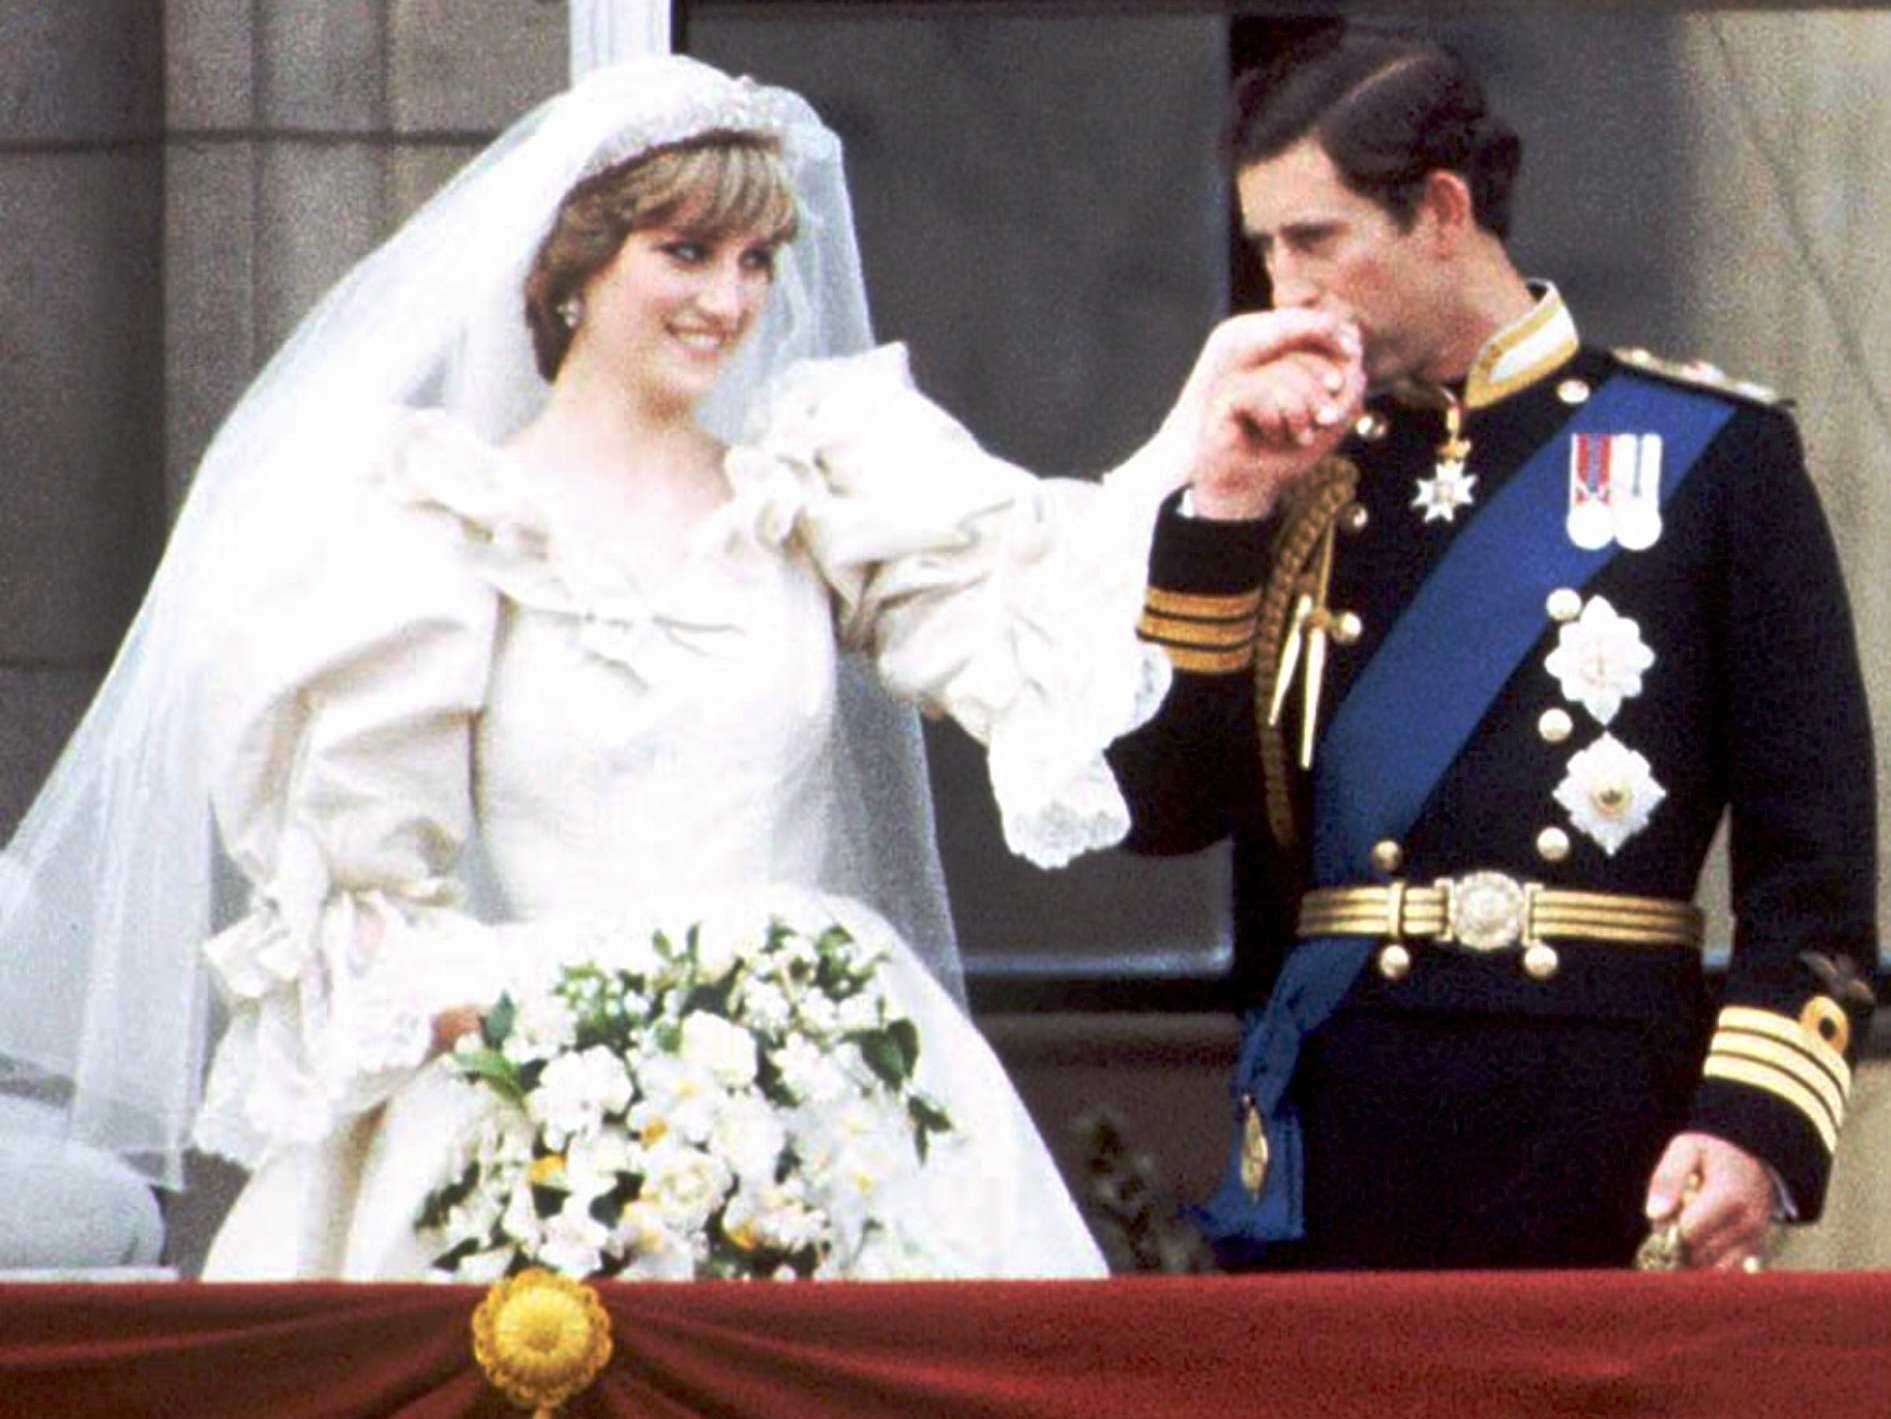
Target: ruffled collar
[(516, 539)]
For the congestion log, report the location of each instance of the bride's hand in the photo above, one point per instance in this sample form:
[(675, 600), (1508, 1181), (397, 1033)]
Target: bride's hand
[(449, 1025), (1277, 392)]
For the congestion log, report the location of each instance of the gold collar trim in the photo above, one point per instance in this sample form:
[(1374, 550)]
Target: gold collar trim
[(1523, 352)]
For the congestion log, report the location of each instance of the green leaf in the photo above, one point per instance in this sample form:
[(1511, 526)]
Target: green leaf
[(449, 1260), (495, 1027), (928, 1115), (906, 1035), (928, 1118), (882, 1052), (499, 1073)]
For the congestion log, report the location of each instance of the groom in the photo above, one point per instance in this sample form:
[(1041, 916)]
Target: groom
[(1469, 674)]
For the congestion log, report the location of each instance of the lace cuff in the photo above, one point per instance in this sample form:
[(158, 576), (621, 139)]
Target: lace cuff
[(332, 996)]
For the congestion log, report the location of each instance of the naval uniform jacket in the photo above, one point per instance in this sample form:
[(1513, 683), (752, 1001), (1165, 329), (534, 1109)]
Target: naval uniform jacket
[(1466, 1072)]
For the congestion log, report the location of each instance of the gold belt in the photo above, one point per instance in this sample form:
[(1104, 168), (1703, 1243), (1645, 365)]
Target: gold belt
[(1490, 911)]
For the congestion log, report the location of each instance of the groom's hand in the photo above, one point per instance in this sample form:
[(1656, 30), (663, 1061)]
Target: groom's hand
[(1278, 391)]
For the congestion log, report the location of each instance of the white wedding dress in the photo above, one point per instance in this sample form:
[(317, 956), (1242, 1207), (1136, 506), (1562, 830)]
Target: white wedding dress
[(474, 674)]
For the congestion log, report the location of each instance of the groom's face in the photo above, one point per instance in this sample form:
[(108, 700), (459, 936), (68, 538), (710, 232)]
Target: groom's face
[(1330, 248)]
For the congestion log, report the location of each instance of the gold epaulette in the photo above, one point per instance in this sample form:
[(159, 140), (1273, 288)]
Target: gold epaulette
[(1699, 374), (1315, 502)]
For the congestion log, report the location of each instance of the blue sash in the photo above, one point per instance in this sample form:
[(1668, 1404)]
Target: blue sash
[(1475, 618)]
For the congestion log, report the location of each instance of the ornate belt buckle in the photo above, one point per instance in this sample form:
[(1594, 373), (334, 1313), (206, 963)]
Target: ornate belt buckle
[(1485, 911)]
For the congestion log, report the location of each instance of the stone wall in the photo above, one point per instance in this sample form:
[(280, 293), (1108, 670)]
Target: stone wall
[(81, 330)]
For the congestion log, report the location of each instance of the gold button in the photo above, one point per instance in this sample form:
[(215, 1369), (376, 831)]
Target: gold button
[(1354, 517), (1395, 962), (1573, 391), (1347, 628), (1370, 426), (1254, 1150), (1555, 726), (1552, 844), (1388, 856), (1564, 604), (1826, 1018), (1540, 962)]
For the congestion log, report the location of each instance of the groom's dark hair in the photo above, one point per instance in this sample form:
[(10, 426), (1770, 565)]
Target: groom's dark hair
[(1389, 109)]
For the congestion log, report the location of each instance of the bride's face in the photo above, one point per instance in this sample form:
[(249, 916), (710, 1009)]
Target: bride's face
[(673, 306)]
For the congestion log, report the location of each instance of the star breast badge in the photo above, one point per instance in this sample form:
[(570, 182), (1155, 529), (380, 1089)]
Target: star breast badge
[(1449, 489)]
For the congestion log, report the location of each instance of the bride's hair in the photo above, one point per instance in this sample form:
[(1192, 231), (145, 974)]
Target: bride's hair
[(716, 185)]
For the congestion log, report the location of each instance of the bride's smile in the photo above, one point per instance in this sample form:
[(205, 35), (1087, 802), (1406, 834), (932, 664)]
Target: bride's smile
[(672, 307)]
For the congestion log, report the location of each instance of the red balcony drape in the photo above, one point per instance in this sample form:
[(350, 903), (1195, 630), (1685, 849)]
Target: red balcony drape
[(1437, 1346)]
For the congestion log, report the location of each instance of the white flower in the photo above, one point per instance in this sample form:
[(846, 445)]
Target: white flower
[(810, 1073), (818, 1013), (520, 1219), (861, 1011), (592, 1165), (765, 1006), (774, 1215), (853, 1152), (472, 1218), (684, 1184), (679, 1097), (1610, 791), (523, 1049), (482, 1267), (545, 1025), (503, 1141), (661, 1253), (726, 1051), (889, 1255), (610, 1150), (750, 1136), (719, 947), (678, 1105), (574, 1240), (576, 1091), (1599, 659)]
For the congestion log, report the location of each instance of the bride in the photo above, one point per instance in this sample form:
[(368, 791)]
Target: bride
[(477, 627)]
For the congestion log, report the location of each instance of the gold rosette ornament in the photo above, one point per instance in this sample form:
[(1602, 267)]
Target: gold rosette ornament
[(541, 1338)]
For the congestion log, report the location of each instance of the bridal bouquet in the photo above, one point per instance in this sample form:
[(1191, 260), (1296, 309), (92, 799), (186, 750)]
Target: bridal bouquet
[(715, 1103)]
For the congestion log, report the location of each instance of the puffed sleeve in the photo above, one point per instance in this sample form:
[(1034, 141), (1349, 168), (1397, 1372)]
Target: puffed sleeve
[(1004, 600), (344, 697)]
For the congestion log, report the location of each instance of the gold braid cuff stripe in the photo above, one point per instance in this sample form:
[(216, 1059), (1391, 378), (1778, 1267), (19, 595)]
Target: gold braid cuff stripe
[(1209, 662), (1766, 1053), (1328, 489), (1169, 630), (1780, 1085), (1748, 1019), (1545, 914), (1239, 607)]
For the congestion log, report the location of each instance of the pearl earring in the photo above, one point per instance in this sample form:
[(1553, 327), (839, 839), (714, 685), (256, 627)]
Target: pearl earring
[(571, 311)]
